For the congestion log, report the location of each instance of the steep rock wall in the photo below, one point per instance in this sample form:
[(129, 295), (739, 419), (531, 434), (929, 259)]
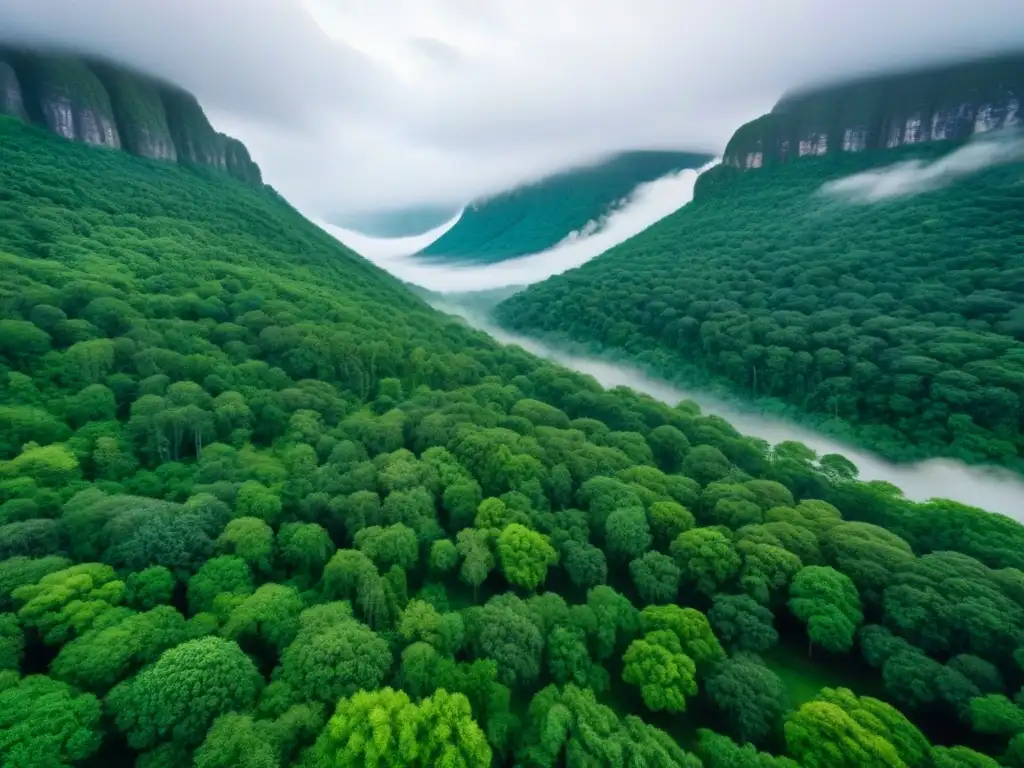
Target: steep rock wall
[(139, 111), (239, 163), (197, 142), (103, 104), (11, 101), (945, 103), (63, 94)]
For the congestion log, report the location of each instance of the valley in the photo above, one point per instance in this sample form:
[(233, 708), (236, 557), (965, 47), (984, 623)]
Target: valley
[(658, 462), (991, 488)]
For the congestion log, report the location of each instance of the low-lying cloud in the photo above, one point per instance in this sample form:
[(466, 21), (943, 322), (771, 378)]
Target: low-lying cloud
[(351, 105), (648, 204), (914, 177)]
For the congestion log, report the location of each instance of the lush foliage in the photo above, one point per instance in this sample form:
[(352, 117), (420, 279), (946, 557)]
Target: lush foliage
[(260, 506), (899, 324), (534, 217)]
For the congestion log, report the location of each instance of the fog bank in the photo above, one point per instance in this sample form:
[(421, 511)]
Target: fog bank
[(648, 204), (916, 176), (990, 488), (385, 248)]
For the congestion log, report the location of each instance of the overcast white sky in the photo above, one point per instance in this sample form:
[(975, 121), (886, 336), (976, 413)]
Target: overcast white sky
[(363, 104)]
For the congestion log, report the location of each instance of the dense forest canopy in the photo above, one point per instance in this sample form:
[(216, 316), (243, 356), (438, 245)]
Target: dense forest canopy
[(899, 325), (260, 506), (534, 217)]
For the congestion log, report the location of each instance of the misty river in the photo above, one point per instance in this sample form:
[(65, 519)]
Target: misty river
[(991, 488)]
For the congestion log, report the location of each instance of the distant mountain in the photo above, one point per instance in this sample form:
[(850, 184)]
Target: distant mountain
[(105, 105), (403, 222), (897, 325), (536, 216), (946, 103)]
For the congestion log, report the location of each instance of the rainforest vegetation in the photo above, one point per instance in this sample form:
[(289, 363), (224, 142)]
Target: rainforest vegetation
[(537, 216), (260, 506), (898, 325)]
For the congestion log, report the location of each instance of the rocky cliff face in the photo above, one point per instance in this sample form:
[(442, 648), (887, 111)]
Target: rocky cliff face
[(939, 104), (197, 142), (10, 93), (139, 111), (105, 105)]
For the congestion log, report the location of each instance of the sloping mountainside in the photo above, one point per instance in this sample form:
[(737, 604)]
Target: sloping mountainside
[(260, 505), (405, 222), (898, 325), (105, 105), (537, 216), (949, 103)]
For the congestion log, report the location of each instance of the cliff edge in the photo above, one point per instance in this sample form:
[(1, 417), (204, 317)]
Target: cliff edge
[(943, 103), (104, 104)]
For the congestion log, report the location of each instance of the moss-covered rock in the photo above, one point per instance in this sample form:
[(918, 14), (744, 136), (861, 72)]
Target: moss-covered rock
[(239, 163), (139, 111), (197, 142), (61, 92), (946, 103), (104, 104), (11, 102)]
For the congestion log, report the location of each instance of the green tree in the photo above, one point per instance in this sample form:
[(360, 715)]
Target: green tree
[(391, 545), (444, 556), (219, 585), (183, 692), (822, 735), (669, 519), (525, 556), (305, 549), (627, 534), (996, 714), (332, 656), (656, 577), (665, 675), (750, 697), (477, 559), (384, 728), (719, 751), (742, 623), (960, 757), (149, 588), (586, 564), (46, 722), (269, 615), (237, 740), (707, 558), (690, 627), (102, 657), (826, 600), (504, 631), (422, 622), (12, 642), (250, 539)]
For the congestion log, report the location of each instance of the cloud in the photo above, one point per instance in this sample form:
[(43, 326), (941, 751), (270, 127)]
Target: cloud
[(349, 104), (381, 249), (916, 176), (647, 204)]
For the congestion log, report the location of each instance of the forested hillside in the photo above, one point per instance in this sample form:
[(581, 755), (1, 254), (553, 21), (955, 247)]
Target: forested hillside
[(260, 506), (537, 216), (898, 324)]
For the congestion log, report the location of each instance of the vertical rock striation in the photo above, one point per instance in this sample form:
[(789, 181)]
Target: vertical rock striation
[(139, 111), (11, 101), (947, 103), (103, 104)]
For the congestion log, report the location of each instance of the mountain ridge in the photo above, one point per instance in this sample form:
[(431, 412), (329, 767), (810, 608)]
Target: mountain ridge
[(532, 217), (98, 102), (950, 102)]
